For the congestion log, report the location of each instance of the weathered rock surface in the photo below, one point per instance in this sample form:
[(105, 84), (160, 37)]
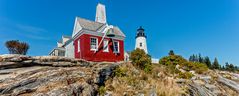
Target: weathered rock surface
[(15, 61), (51, 76), (205, 85), (60, 76), (232, 84)]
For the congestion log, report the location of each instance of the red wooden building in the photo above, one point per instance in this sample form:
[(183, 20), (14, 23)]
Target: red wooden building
[(96, 40)]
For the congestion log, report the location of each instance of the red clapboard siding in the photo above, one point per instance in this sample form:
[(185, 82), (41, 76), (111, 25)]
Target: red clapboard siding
[(99, 56)]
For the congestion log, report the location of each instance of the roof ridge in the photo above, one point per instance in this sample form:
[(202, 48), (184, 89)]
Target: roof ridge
[(88, 20)]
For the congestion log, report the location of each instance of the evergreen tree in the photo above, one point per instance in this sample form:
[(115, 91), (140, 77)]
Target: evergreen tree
[(236, 68), (220, 67), (215, 64), (207, 62), (171, 53), (227, 66), (231, 67), (223, 68), (200, 59), (191, 58), (196, 58)]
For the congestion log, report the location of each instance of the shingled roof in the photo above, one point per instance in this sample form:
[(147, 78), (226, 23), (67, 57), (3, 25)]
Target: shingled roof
[(89, 25), (64, 36), (117, 31), (95, 26)]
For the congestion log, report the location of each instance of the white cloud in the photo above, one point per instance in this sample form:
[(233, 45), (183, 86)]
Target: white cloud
[(37, 37), (31, 29), (10, 29)]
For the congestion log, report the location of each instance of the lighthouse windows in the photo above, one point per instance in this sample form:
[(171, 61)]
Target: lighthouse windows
[(140, 44), (93, 43)]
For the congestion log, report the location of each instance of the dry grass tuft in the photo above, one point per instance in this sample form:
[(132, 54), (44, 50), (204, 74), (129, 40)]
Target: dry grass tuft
[(137, 81)]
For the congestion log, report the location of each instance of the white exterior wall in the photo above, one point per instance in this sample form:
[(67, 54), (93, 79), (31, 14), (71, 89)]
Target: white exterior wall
[(126, 57), (65, 39), (144, 44), (69, 50), (100, 13), (77, 27), (59, 44)]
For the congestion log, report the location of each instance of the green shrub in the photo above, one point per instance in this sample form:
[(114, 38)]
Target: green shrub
[(132, 81), (141, 60), (148, 68), (120, 72), (101, 90), (199, 67), (172, 69), (172, 60), (185, 75)]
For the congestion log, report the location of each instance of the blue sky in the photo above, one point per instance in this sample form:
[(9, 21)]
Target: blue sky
[(209, 27)]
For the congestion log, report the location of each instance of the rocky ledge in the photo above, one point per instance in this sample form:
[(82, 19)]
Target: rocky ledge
[(15, 60), (51, 76), (60, 76)]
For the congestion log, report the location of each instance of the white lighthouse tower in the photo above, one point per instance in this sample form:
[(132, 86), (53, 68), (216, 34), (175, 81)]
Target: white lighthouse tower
[(141, 40)]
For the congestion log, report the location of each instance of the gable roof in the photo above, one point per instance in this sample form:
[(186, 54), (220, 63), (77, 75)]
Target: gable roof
[(96, 26), (117, 31), (64, 36), (59, 41), (89, 25), (66, 42)]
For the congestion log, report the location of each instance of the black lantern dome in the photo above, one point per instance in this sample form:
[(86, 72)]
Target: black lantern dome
[(140, 32)]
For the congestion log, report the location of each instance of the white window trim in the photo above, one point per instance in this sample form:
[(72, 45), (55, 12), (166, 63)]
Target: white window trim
[(107, 50), (118, 47), (78, 47), (96, 44)]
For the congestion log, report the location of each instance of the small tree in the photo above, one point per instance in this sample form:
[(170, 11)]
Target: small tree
[(207, 62), (200, 58), (16, 47), (140, 59), (23, 48), (11, 46), (215, 64), (171, 53)]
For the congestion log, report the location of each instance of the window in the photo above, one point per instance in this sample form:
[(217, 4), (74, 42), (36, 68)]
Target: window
[(93, 44), (116, 47), (105, 46), (78, 43), (140, 44)]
